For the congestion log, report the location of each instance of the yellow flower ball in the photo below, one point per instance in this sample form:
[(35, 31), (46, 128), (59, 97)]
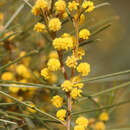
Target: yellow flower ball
[(7, 76), (84, 34), (39, 27), (82, 121), (53, 78), (78, 85), (61, 114), (88, 5), (63, 43), (104, 116), (67, 86), (39, 6), (64, 15), (54, 24), (23, 71), (53, 64), (57, 101), (53, 54), (73, 5), (14, 89), (83, 68), (99, 126), (75, 93), (45, 73), (82, 19), (71, 61), (79, 127), (60, 6), (36, 11), (80, 53), (76, 79)]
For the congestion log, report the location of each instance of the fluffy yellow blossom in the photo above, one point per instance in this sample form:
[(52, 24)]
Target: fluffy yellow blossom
[(36, 11), (75, 93), (104, 116), (53, 78), (39, 6), (78, 85), (82, 121), (71, 61), (14, 89), (22, 70), (99, 126), (76, 79), (45, 73), (60, 6), (57, 101), (67, 86), (73, 5), (39, 27), (88, 5), (64, 15), (83, 68), (79, 127), (7, 76), (80, 53), (1, 16), (63, 43), (82, 19), (84, 34), (61, 114), (53, 54), (54, 24), (30, 109), (53, 64)]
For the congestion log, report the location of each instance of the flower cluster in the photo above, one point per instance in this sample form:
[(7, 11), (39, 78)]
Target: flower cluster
[(72, 85), (81, 123)]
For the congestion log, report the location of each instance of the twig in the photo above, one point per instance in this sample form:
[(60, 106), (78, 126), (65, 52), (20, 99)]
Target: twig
[(26, 1), (29, 85), (8, 122), (13, 16)]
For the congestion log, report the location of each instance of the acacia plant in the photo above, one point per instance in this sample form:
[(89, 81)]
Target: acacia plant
[(66, 61)]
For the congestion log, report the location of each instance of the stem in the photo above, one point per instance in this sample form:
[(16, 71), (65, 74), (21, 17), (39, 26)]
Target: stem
[(62, 65), (69, 111)]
